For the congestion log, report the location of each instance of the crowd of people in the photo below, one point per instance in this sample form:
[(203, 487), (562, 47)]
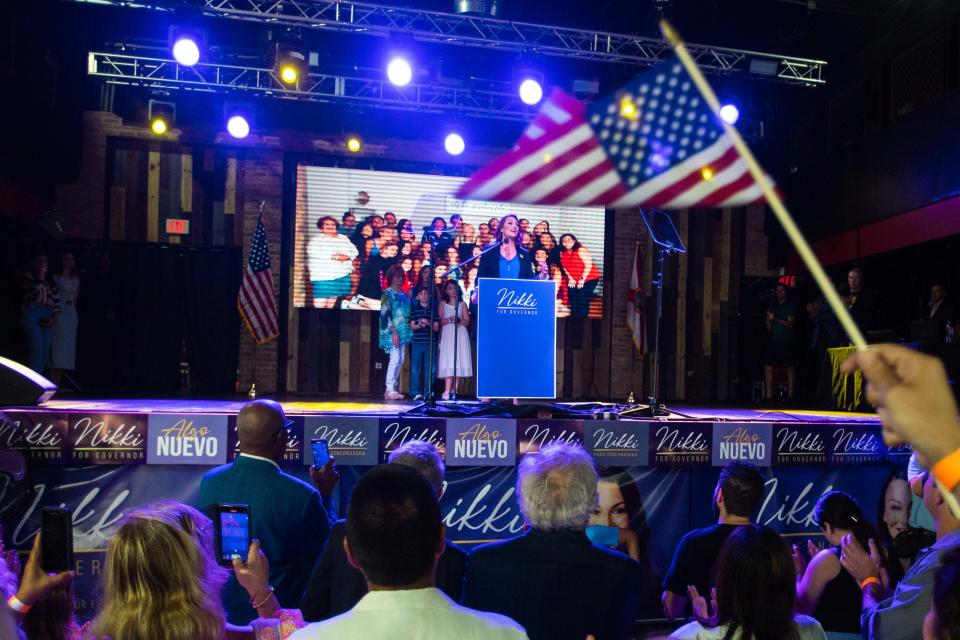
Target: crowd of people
[(388, 570), (348, 260)]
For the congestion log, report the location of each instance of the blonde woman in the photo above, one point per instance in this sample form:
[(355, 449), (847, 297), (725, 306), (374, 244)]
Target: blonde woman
[(161, 574)]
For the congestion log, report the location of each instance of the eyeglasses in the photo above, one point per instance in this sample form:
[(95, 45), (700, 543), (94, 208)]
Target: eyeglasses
[(286, 426)]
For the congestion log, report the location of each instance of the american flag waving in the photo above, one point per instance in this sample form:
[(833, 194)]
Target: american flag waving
[(256, 301), (655, 142)]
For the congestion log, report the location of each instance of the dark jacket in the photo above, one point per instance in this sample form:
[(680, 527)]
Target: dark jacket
[(286, 515), (556, 584), (335, 586), (490, 264)]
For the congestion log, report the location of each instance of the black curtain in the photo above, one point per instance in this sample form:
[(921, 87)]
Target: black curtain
[(173, 304)]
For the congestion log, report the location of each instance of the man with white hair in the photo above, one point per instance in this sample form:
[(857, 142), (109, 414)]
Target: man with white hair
[(550, 578)]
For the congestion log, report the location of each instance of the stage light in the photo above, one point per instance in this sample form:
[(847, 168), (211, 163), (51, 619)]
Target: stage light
[(186, 51), (454, 144), (238, 126), (399, 72), (291, 65), (353, 144), (530, 91), (729, 113), (161, 116), (628, 109), (706, 173)]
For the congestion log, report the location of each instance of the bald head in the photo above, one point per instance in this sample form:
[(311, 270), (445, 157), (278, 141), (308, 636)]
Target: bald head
[(258, 425)]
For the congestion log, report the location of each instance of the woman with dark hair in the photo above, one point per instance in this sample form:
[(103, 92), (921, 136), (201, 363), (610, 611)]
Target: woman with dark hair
[(620, 506), (453, 322), (329, 264), (41, 307), (512, 260), (361, 234), (582, 275), (893, 518), (825, 589), (395, 331), (754, 594), (406, 263)]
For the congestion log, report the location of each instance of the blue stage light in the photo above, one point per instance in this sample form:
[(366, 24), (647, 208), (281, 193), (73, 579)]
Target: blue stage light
[(186, 51), (530, 91), (238, 127), (454, 144), (729, 113), (399, 72)]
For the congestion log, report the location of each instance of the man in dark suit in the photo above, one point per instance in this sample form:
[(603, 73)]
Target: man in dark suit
[(863, 303), (335, 585), (286, 514), (551, 579)]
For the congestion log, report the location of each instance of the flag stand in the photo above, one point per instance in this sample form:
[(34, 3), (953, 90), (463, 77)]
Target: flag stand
[(252, 394), (667, 241)]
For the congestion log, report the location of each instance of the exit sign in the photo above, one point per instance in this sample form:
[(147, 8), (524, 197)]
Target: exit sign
[(178, 226)]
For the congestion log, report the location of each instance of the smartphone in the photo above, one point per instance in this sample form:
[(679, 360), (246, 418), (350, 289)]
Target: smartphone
[(603, 536), (232, 525), (56, 539), (321, 452)]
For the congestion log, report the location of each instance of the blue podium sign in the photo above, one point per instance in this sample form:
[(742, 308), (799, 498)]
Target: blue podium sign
[(517, 338)]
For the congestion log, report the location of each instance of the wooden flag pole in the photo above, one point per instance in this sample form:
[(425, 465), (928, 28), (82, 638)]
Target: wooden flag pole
[(773, 199), (786, 220)]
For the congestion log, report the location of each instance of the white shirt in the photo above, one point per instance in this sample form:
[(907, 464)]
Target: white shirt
[(320, 262), (412, 614), (807, 628)]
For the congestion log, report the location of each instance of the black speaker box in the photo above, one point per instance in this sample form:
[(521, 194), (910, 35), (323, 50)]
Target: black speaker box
[(22, 386)]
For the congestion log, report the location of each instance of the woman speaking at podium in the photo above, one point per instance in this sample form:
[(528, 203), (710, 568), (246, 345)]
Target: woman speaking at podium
[(512, 260)]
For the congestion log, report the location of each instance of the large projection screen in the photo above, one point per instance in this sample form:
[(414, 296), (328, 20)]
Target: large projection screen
[(342, 264)]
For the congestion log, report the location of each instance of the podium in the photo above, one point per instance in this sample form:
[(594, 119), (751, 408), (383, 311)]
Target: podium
[(516, 338)]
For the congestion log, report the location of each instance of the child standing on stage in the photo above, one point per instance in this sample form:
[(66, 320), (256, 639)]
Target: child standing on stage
[(395, 331), (423, 363), (454, 320)]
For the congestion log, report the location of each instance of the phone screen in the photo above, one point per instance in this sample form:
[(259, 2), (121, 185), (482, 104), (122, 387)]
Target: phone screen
[(56, 539), (321, 452), (234, 534)]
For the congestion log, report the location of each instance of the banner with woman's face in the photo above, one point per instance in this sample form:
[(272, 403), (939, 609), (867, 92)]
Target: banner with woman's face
[(380, 218)]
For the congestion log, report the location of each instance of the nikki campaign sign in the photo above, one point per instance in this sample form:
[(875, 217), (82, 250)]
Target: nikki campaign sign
[(516, 338), (481, 442)]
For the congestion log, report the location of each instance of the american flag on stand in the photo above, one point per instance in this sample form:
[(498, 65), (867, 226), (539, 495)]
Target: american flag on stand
[(256, 301), (636, 316), (655, 142)]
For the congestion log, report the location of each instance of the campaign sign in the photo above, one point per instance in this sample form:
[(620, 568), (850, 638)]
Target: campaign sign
[(39, 436), (352, 441), (293, 454), (533, 435), (899, 455), (742, 441), (521, 314), (622, 443), (856, 444), (395, 432), (107, 438), (800, 444), (676, 444), (481, 442), (196, 438)]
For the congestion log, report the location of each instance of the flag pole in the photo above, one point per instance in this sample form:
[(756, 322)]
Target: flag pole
[(252, 394), (773, 199), (786, 220)]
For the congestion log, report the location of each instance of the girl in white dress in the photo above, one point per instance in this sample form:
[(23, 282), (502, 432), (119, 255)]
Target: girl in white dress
[(454, 321)]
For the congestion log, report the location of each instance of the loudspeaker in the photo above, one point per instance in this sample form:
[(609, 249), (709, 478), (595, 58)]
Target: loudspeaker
[(20, 385)]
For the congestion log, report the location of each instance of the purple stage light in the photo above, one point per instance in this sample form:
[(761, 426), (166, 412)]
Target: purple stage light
[(186, 51), (454, 144), (530, 91)]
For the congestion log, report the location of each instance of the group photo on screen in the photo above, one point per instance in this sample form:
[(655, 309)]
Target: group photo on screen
[(353, 225)]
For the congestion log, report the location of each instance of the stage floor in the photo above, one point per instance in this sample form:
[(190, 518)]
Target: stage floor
[(367, 407)]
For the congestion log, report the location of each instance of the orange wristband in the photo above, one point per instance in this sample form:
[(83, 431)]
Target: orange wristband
[(870, 580), (947, 471)]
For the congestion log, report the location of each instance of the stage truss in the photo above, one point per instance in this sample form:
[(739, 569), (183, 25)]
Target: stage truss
[(473, 31), (167, 75)]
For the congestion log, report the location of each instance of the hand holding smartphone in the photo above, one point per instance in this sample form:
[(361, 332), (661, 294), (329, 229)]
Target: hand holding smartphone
[(56, 527), (232, 526), (321, 452)]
